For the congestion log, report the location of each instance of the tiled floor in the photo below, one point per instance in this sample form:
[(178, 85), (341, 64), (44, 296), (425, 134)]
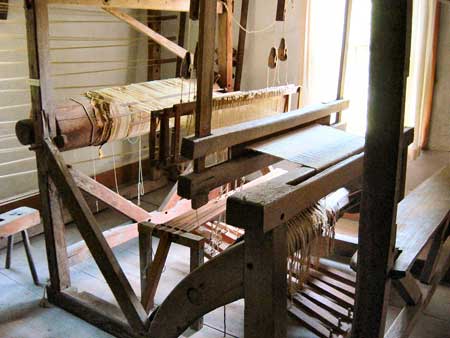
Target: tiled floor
[(21, 316)]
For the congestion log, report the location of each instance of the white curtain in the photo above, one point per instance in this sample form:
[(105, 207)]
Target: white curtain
[(420, 77)]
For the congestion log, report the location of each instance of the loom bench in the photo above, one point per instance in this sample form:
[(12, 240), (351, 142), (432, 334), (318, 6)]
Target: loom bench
[(13, 222)]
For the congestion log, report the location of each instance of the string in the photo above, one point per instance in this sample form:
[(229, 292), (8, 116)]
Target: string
[(114, 168), (95, 178), (140, 184), (256, 31)]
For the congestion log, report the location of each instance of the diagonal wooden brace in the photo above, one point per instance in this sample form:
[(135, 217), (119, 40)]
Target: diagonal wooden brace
[(92, 235)]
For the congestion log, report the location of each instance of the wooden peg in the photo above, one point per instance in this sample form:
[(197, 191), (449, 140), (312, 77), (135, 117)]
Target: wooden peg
[(282, 50), (273, 58)]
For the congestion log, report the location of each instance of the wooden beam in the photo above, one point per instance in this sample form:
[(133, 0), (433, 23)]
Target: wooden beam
[(222, 138), (241, 45), (198, 183), (140, 27), (38, 59), (90, 231), (112, 199), (161, 5), (205, 76), (377, 227), (275, 207), (225, 47)]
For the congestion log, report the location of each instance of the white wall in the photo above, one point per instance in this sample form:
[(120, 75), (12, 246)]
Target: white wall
[(440, 121)]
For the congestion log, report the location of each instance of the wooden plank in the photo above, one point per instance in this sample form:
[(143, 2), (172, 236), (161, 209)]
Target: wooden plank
[(271, 205), (14, 221), (225, 47), (311, 324), (320, 313), (419, 216), (194, 184), (222, 138), (140, 27), (160, 5), (216, 283), (90, 231), (154, 272), (112, 199), (39, 70), (331, 292), (327, 303), (241, 45), (205, 72), (344, 288), (377, 227), (93, 310), (408, 289)]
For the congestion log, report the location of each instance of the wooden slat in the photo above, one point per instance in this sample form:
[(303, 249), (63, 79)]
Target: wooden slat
[(408, 289), (90, 231), (140, 27), (222, 138), (320, 313), (337, 274), (326, 303), (314, 325), (344, 288), (419, 215), (272, 205), (389, 52), (331, 292), (112, 199), (161, 5)]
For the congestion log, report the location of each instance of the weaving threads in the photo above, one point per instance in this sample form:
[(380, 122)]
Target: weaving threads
[(310, 236)]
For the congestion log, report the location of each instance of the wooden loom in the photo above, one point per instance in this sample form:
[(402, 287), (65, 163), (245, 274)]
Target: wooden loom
[(254, 269)]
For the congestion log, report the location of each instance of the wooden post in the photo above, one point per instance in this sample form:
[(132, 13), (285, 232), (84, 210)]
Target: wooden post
[(181, 35), (205, 78), (225, 47), (265, 285), (38, 58), (344, 53), (377, 228), (241, 45), (154, 50)]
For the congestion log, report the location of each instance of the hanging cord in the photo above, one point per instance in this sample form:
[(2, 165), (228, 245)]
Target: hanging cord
[(256, 31), (141, 190), (95, 178), (114, 168)]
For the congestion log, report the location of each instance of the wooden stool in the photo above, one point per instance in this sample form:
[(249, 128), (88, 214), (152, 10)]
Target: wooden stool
[(13, 222)]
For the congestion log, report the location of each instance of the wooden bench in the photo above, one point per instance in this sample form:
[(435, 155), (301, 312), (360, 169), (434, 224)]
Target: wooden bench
[(422, 216), (13, 222)]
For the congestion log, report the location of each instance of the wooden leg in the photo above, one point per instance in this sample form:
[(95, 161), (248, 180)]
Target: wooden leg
[(145, 257), (155, 271), (9, 251), (27, 246), (197, 259), (434, 253), (265, 284)]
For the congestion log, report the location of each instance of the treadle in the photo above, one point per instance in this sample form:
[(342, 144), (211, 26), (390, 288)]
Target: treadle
[(325, 305)]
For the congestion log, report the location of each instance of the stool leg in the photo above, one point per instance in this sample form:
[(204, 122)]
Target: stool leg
[(197, 259), (9, 250), (26, 244)]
